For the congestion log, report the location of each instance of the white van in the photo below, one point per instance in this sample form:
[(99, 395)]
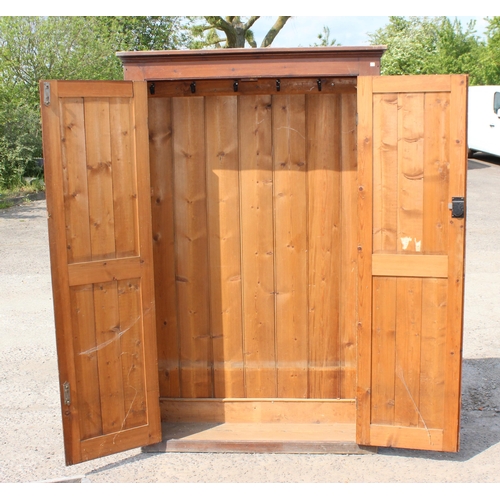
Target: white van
[(484, 119)]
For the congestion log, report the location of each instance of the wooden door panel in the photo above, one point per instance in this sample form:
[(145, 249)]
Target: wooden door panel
[(97, 174), (412, 161), (224, 246), (254, 216)]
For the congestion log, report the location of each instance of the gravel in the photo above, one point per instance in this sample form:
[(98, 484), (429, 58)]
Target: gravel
[(30, 421)]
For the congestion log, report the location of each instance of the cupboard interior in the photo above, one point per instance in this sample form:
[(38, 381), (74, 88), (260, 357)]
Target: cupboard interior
[(254, 210)]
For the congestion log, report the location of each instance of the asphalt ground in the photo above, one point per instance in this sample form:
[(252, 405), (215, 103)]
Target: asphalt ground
[(31, 444)]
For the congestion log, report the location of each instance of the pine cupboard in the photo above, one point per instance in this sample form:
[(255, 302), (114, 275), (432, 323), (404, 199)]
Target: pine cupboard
[(259, 250)]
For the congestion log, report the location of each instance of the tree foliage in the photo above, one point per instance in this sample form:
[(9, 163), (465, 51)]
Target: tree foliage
[(39, 48), (324, 39), (490, 62), (236, 31), (432, 45)]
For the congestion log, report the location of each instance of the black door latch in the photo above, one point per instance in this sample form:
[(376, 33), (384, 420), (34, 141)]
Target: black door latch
[(457, 206)]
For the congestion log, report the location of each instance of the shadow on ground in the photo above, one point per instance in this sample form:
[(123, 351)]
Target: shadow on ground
[(480, 422)]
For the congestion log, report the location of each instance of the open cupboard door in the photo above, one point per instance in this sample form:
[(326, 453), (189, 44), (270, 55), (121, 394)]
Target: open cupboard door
[(412, 168), (98, 201)]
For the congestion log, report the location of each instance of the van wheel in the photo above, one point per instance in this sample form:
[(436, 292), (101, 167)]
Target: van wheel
[(470, 153)]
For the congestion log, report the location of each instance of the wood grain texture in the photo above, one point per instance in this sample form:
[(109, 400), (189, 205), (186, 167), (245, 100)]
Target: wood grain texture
[(389, 264), (99, 89), (347, 320), (74, 169), (410, 172), (124, 181), (254, 86), (86, 363), (407, 365), (132, 354), (436, 173), (432, 362), (250, 410), (162, 211), (224, 231), (364, 247), (108, 348), (324, 249), (383, 350), (257, 245), (456, 249), (106, 356), (415, 355), (385, 168), (290, 214), (259, 438), (252, 63), (407, 437), (259, 234), (192, 273), (406, 83), (99, 271), (53, 161), (100, 180), (141, 160)]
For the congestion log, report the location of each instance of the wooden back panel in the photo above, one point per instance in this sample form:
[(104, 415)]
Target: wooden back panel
[(97, 174), (254, 239), (412, 161)]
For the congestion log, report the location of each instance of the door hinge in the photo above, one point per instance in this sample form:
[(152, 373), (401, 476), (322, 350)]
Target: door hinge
[(46, 93), (66, 394)]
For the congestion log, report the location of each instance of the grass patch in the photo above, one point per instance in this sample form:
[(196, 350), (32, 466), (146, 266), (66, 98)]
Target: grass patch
[(21, 194), (6, 204)]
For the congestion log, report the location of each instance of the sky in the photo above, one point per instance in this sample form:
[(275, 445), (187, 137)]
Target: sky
[(347, 30), (308, 19)]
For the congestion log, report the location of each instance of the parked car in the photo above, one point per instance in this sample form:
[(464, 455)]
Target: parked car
[(484, 119)]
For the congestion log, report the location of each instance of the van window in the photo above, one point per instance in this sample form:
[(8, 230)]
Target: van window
[(496, 102)]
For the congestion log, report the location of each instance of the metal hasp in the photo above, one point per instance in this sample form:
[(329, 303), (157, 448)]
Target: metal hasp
[(66, 394), (46, 93), (457, 206)]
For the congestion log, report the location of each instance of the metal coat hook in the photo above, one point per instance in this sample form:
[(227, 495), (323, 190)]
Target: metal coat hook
[(193, 87), (278, 84), (235, 85), (319, 84), (152, 89)]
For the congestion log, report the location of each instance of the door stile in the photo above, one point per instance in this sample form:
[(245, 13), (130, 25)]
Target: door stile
[(456, 265), (364, 248), (59, 268), (141, 144)]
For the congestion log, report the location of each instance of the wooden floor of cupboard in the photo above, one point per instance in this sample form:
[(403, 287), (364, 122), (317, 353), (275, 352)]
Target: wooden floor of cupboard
[(258, 426)]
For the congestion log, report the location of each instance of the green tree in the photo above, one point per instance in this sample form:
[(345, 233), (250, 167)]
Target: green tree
[(39, 48), (237, 31), (490, 61), (324, 39), (430, 45)]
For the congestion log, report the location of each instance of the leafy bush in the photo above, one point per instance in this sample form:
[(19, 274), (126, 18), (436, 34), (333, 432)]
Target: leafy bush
[(13, 159), (70, 48)]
